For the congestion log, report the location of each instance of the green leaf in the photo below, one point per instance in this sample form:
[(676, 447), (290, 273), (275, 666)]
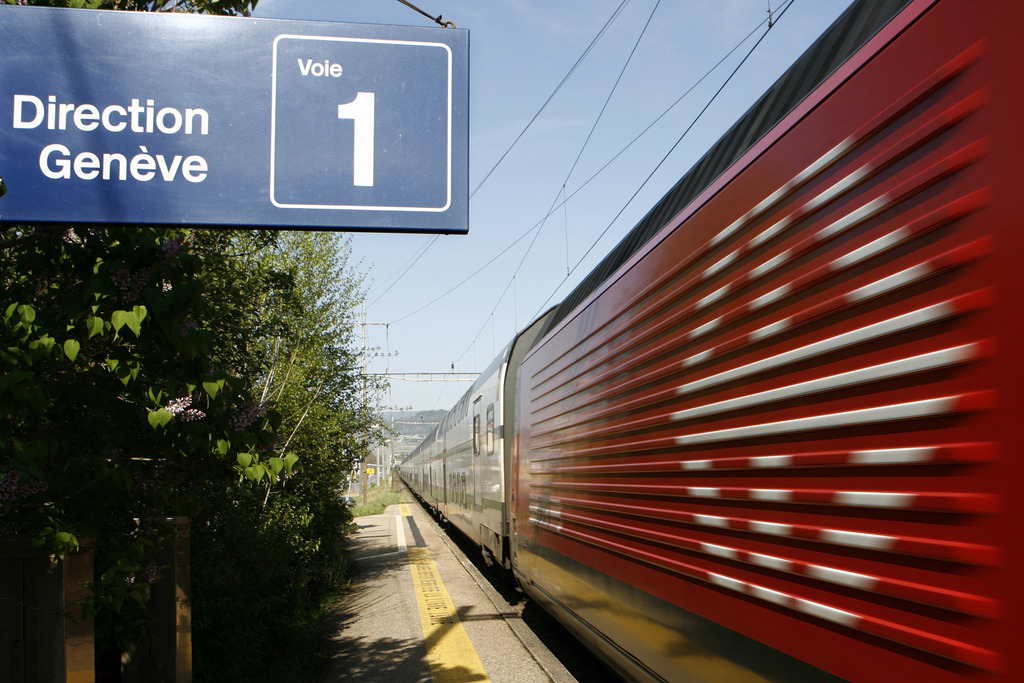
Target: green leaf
[(94, 325), (213, 387), (223, 446), (71, 349), (244, 459), (40, 540), (118, 319), (126, 565), (290, 460), (156, 395), (66, 540), (159, 418), (44, 344), (275, 465), (26, 313), (11, 355), (12, 379), (134, 319), (255, 473)]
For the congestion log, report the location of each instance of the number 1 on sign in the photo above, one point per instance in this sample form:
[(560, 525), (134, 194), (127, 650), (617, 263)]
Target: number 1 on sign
[(360, 110)]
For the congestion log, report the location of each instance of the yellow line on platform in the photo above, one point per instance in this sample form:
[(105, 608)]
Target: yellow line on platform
[(450, 654)]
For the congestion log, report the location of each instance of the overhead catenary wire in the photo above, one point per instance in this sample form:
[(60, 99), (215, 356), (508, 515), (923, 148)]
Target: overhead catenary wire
[(550, 97), (540, 222), (404, 268), (489, 318), (469, 277), (633, 141), (547, 101), (611, 93), (565, 223), (568, 175), (665, 157), (663, 114)]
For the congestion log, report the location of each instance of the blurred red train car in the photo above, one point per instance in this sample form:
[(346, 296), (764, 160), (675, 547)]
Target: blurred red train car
[(795, 414), (778, 439)]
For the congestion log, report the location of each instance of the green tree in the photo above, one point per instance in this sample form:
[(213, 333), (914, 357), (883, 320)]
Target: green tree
[(315, 376), (326, 404), (286, 536), (112, 402), (109, 373), (147, 373)]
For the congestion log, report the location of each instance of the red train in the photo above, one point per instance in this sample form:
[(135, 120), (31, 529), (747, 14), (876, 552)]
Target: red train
[(773, 435)]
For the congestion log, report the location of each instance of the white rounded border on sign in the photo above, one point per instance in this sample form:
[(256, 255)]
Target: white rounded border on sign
[(273, 127)]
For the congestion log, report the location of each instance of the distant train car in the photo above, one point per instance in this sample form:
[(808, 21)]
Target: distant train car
[(461, 463), (461, 470), (774, 435)]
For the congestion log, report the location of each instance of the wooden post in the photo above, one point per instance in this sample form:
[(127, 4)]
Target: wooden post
[(168, 657), (43, 634)]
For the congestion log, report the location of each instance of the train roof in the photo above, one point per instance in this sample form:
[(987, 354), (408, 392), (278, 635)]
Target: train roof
[(855, 27)]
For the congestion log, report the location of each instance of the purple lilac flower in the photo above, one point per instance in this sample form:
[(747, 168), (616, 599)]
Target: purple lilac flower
[(13, 488), (180, 410), (246, 416)]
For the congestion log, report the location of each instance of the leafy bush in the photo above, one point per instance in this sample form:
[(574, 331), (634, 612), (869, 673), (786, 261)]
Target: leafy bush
[(149, 373)]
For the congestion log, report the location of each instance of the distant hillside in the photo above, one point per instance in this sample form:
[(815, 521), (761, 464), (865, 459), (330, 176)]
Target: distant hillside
[(412, 427)]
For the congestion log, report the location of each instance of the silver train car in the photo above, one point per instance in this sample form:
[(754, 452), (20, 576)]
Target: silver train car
[(462, 469)]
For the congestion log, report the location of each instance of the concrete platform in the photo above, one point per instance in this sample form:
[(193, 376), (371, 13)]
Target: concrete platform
[(419, 611)]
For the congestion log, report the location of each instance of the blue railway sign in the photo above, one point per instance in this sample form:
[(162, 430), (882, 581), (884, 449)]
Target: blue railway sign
[(157, 119)]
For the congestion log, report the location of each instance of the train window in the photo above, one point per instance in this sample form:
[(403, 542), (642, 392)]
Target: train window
[(490, 429), (476, 426), (476, 435)]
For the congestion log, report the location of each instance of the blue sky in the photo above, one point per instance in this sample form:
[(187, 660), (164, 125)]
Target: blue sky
[(520, 50)]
